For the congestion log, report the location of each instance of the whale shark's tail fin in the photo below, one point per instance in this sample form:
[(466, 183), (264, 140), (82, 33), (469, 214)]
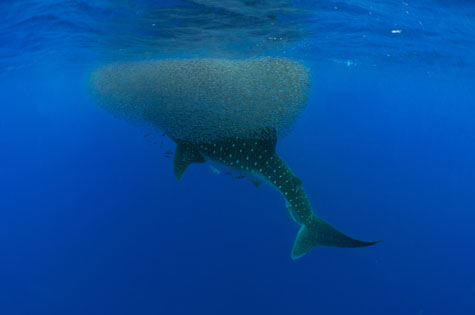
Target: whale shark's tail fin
[(321, 233)]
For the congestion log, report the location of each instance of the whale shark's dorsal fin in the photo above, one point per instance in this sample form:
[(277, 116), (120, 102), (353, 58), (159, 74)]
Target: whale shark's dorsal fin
[(268, 138), (185, 155)]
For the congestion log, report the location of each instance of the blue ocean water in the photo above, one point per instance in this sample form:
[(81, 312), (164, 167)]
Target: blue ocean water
[(93, 221)]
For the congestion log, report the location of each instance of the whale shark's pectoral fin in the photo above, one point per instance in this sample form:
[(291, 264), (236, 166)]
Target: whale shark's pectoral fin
[(320, 233), (185, 155)]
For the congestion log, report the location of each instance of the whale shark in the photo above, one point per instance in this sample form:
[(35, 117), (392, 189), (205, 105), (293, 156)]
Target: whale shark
[(256, 158)]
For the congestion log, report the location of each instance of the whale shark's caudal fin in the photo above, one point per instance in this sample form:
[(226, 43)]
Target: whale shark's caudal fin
[(185, 155), (320, 233)]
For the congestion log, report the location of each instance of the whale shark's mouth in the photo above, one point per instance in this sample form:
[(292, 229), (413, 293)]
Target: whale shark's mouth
[(197, 99)]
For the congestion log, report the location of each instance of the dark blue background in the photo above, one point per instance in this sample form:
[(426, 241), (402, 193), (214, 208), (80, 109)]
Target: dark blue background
[(93, 221)]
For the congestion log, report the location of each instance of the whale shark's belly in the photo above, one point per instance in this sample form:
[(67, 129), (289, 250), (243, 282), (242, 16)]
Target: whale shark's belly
[(245, 169)]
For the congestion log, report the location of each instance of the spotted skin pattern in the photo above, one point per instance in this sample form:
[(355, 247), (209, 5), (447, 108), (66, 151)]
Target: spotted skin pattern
[(257, 159)]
